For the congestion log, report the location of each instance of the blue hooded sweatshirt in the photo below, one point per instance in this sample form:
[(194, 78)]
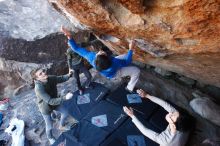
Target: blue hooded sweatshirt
[(90, 56)]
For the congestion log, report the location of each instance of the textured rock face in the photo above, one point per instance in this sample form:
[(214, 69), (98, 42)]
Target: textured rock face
[(15, 74), (29, 39), (28, 31), (29, 20), (180, 36), (19, 57), (52, 47)]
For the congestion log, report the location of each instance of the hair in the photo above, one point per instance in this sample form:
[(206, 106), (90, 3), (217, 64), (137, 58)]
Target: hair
[(97, 45), (211, 142), (102, 62), (33, 76), (184, 123)]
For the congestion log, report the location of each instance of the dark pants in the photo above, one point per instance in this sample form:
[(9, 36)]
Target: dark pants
[(77, 70)]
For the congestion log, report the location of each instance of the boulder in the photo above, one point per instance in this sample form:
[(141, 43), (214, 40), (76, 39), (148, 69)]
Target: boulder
[(29, 20), (206, 109), (179, 36), (18, 57), (29, 38)]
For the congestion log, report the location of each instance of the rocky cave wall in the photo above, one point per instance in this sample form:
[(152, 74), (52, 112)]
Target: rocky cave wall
[(19, 57), (179, 36), (30, 38)]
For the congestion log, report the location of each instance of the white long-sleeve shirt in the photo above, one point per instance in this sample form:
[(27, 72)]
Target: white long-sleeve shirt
[(165, 138)]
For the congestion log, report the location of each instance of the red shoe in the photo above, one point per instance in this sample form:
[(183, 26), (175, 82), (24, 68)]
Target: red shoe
[(81, 91)]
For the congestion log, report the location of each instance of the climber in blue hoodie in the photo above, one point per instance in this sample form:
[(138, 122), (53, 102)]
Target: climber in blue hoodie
[(108, 66)]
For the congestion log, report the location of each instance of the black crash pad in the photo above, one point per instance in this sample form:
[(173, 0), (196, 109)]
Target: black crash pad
[(119, 137), (114, 113), (119, 97), (83, 134), (158, 119), (78, 111)]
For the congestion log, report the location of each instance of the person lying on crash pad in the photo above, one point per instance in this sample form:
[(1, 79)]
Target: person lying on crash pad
[(177, 131)]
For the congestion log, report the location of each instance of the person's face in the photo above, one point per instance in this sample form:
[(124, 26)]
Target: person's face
[(101, 53), (41, 75), (172, 117)]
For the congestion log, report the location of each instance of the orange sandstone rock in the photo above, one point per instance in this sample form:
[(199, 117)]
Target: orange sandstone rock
[(180, 35)]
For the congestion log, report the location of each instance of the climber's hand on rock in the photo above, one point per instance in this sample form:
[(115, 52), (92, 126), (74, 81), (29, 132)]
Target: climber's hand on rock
[(131, 45), (66, 32)]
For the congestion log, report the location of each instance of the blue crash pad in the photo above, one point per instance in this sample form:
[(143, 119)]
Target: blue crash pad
[(78, 111)]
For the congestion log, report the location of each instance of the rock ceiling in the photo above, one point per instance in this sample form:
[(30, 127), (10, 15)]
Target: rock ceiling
[(181, 36)]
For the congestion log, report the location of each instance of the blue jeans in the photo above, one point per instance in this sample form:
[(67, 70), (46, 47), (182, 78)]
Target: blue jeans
[(48, 120)]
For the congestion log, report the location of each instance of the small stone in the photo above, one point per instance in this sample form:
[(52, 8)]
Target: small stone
[(207, 109)]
